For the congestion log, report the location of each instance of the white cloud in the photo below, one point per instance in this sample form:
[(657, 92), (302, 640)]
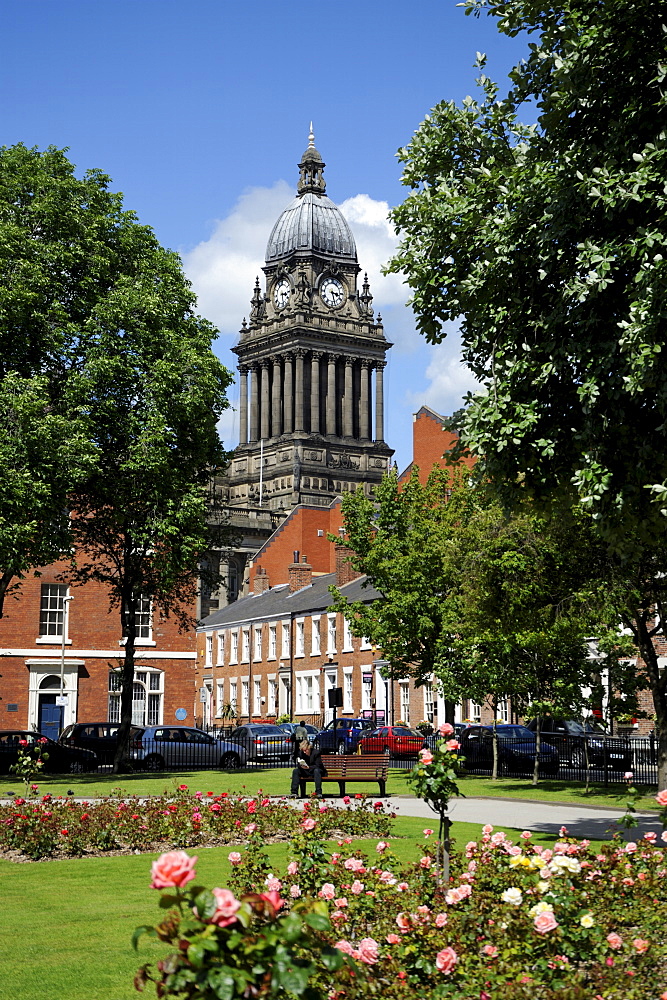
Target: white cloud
[(448, 378)]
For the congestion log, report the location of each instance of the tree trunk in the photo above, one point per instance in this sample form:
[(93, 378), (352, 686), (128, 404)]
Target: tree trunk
[(121, 764), (658, 685), (494, 773), (538, 744), (5, 580)]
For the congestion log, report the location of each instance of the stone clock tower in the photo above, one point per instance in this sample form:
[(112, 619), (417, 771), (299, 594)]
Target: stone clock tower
[(311, 362)]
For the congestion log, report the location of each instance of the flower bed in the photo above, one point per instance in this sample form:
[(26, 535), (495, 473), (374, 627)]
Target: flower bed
[(514, 921), (50, 827)]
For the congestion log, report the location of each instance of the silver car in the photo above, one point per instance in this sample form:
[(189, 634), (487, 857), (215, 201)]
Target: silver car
[(263, 742), (154, 748)]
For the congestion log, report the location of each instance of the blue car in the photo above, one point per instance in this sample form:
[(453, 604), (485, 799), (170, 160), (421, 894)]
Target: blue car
[(343, 736)]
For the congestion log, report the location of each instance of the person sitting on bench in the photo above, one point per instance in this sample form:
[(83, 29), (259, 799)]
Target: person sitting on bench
[(308, 765)]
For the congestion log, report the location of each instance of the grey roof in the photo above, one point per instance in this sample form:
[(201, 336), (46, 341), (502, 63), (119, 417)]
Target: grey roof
[(279, 603), (311, 222)]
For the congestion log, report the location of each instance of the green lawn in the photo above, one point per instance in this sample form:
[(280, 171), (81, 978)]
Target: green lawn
[(70, 922), (276, 782)]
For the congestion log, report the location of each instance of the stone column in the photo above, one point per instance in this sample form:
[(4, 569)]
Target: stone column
[(379, 400), (276, 397), (288, 423), (315, 392), (243, 405), (331, 395), (264, 404), (348, 422), (298, 392), (254, 403), (364, 429)]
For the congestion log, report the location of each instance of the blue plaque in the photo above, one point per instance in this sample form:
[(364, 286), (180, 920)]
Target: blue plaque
[(181, 714)]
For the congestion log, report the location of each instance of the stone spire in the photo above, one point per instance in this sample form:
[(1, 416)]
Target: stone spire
[(311, 169)]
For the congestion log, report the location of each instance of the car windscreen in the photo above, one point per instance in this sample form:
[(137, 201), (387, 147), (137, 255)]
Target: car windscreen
[(404, 731), (267, 731)]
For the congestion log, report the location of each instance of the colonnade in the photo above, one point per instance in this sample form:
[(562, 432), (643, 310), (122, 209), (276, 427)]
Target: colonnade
[(312, 392)]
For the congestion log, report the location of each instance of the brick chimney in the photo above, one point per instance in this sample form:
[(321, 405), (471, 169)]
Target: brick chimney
[(261, 584), (300, 573), (345, 572)]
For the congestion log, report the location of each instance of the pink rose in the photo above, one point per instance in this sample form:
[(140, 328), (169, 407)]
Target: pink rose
[(292, 868), (272, 883), (273, 899), (640, 945), (381, 846), (440, 919), (427, 832), (490, 951), (252, 807), (234, 858), (309, 824), (328, 891), (295, 891), (452, 744), (445, 729), (225, 909), (545, 922), (368, 951), (250, 828), (487, 829), (345, 947), (651, 837), (392, 939), (426, 756), (346, 800), (614, 940), (526, 835), (425, 862), (357, 887), (403, 922), (173, 869), (628, 775), (341, 903), (446, 959), (661, 797)]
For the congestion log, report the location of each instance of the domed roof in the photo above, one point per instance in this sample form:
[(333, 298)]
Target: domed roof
[(312, 221)]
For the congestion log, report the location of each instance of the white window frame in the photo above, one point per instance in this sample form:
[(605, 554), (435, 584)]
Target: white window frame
[(257, 696), (272, 696), (300, 638), (307, 692), (234, 646), (348, 688), (220, 651), (348, 644), (245, 696), (62, 613), (257, 644), (273, 642), (332, 636), (219, 698), (284, 640), (245, 645), (365, 643), (209, 650), (151, 681), (366, 688), (233, 693), (429, 702), (315, 637), (404, 701)]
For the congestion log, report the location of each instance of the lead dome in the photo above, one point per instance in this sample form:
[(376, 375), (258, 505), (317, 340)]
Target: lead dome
[(311, 222)]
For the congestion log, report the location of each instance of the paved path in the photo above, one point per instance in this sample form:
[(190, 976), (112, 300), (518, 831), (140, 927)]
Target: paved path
[(593, 822)]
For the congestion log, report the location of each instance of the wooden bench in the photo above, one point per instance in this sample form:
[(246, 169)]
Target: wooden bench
[(370, 767)]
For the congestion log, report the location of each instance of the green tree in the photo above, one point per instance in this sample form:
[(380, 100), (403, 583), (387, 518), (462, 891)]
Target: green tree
[(98, 331), (490, 604), (546, 241)]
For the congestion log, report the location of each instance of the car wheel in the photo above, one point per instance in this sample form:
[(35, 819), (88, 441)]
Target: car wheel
[(578, 757), (230, 761), (341, 748), (154, 763)]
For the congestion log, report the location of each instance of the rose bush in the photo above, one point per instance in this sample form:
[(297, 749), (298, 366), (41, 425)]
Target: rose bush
[(516, 921)]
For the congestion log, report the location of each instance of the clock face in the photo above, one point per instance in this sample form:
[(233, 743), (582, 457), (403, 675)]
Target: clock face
[(281, 293), (332, 292)]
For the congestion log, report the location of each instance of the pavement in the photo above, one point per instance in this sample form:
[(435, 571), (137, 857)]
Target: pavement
[(591, 822)]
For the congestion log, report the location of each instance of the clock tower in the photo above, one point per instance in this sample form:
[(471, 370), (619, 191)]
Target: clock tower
[(310, 361)]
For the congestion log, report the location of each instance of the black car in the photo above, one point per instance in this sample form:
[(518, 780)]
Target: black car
[(100, 737), (516, 750), (570, 739), (61, 759)]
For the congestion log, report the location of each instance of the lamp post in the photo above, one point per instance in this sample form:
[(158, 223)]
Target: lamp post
[(66, 601)]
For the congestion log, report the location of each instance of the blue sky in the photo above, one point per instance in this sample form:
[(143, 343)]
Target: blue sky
[(199, 112)]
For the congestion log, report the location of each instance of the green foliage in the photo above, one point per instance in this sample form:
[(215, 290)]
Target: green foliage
[(30, 761), (547, 242)]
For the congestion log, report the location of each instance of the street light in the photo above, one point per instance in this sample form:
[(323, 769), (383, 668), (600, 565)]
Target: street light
[(66, 601)]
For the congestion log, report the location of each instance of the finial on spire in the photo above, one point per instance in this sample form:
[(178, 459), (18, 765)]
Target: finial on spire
[(311, 138)]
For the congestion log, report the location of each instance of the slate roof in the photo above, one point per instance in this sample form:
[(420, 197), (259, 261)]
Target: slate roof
[(279, 603)]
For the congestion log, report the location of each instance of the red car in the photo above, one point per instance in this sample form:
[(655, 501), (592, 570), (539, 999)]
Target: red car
[(394, 741)]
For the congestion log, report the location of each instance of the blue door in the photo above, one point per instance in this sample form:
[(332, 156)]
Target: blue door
[(50, 716)]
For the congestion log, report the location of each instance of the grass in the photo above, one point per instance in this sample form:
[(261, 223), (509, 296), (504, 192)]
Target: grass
[(276, 782), (70, 922)]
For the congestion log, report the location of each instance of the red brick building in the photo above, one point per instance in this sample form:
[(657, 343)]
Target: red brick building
[(33, 667)]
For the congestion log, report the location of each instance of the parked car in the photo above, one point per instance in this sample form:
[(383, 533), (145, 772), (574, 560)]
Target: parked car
[(61, 760), (570, 739), (100, 737), (263, 742), (431, 742), (516, 750), (394, 741), (289, 727), (342, 736), (154, 748)]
